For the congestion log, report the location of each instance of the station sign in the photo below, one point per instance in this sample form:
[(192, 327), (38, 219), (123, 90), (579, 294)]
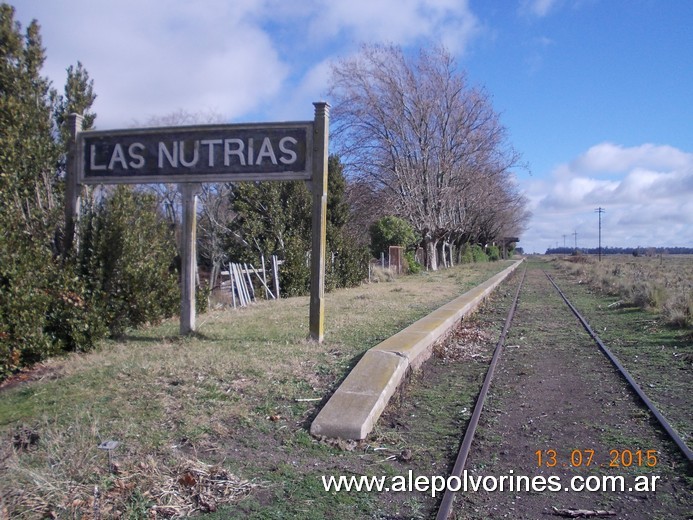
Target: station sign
[(191, 155), (206, 153)]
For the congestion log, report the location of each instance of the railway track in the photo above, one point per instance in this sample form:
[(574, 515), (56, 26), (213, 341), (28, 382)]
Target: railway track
[(556, 452)]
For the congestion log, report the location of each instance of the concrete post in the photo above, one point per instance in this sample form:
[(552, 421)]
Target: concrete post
[(72, 188), (188, 257), (321, 130)]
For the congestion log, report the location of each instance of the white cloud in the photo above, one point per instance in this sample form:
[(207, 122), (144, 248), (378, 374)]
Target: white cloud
[(647, 192), (151, 58), (297, 104), (238, 58), (539, 8), (612, 158), (402, 22), (543, 8)]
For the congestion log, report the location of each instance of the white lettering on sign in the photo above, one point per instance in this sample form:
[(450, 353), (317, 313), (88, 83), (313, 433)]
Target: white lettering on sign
[(92, 159), (172, 157), (266, 151), (251, 150), (195, 152), (234, 150), (187, 154), (138, 159), (291, 155), (210, 150), (238, 150), (118, 157)]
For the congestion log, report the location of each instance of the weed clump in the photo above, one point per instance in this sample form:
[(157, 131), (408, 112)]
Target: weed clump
[(380, 274)]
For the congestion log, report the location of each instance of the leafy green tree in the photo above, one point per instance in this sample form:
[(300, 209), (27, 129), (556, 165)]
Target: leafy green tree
[(347, 262), (493, 253), (274, 218), (337, 206), (478, 253), (28, 152), (412, 266), (268, 215), (29, 208), (123, 277), (78, 98), (126, 257), (391, 231)]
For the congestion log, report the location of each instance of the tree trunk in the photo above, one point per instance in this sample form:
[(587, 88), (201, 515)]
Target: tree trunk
[(431, 247), (442, 258)]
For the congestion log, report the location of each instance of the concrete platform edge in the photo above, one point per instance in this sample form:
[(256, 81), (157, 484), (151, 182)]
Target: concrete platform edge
[(354, 408)]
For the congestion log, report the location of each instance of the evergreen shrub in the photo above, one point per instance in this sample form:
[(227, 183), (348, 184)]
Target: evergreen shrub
[(493, 253)]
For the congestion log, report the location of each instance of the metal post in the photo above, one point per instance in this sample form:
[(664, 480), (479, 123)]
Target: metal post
[(600, 210), (189, 257), (72, 188), (321, 130)]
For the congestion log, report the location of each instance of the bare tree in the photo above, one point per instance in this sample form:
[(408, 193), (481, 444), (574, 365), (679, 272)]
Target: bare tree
[(215, 214), (167, 193), (415, 130), (366, 206)]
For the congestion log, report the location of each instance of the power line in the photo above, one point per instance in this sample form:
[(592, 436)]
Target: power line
[(600, 210)]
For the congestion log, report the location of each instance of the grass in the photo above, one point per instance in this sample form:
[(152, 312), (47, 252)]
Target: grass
[(655, 351), (240, 394), (663, 284)]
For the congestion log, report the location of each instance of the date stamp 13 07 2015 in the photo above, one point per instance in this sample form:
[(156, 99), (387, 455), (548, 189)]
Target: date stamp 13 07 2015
[(585, 458)]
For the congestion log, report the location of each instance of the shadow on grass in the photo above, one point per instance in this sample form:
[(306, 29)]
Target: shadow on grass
[(134, 338)]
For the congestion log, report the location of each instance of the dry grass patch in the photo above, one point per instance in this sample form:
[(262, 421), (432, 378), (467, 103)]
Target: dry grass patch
[(244, 387), (70, 480), (662, 284)]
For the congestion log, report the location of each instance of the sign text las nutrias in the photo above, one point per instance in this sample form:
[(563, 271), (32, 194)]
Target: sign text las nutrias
[(197, 154)]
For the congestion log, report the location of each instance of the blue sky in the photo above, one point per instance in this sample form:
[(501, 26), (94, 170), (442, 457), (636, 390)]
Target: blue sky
[(596, 94)]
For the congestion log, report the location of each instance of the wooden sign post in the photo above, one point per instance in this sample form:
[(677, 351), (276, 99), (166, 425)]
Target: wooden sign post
[(208, 153), (188, 193), (73, 190), (321, 130)]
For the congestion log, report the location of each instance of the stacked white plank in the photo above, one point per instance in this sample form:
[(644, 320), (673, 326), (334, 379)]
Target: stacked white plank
[(241, 284)]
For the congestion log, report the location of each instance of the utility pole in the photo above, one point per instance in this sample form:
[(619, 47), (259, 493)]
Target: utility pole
[(600, 210), (564, 241), (575, 235)]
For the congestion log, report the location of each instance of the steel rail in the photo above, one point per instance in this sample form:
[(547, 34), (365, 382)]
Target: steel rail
[(448, 497), (646, 400)]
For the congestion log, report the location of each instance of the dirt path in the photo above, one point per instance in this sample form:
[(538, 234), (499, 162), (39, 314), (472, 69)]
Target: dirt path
[(558, 409)]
